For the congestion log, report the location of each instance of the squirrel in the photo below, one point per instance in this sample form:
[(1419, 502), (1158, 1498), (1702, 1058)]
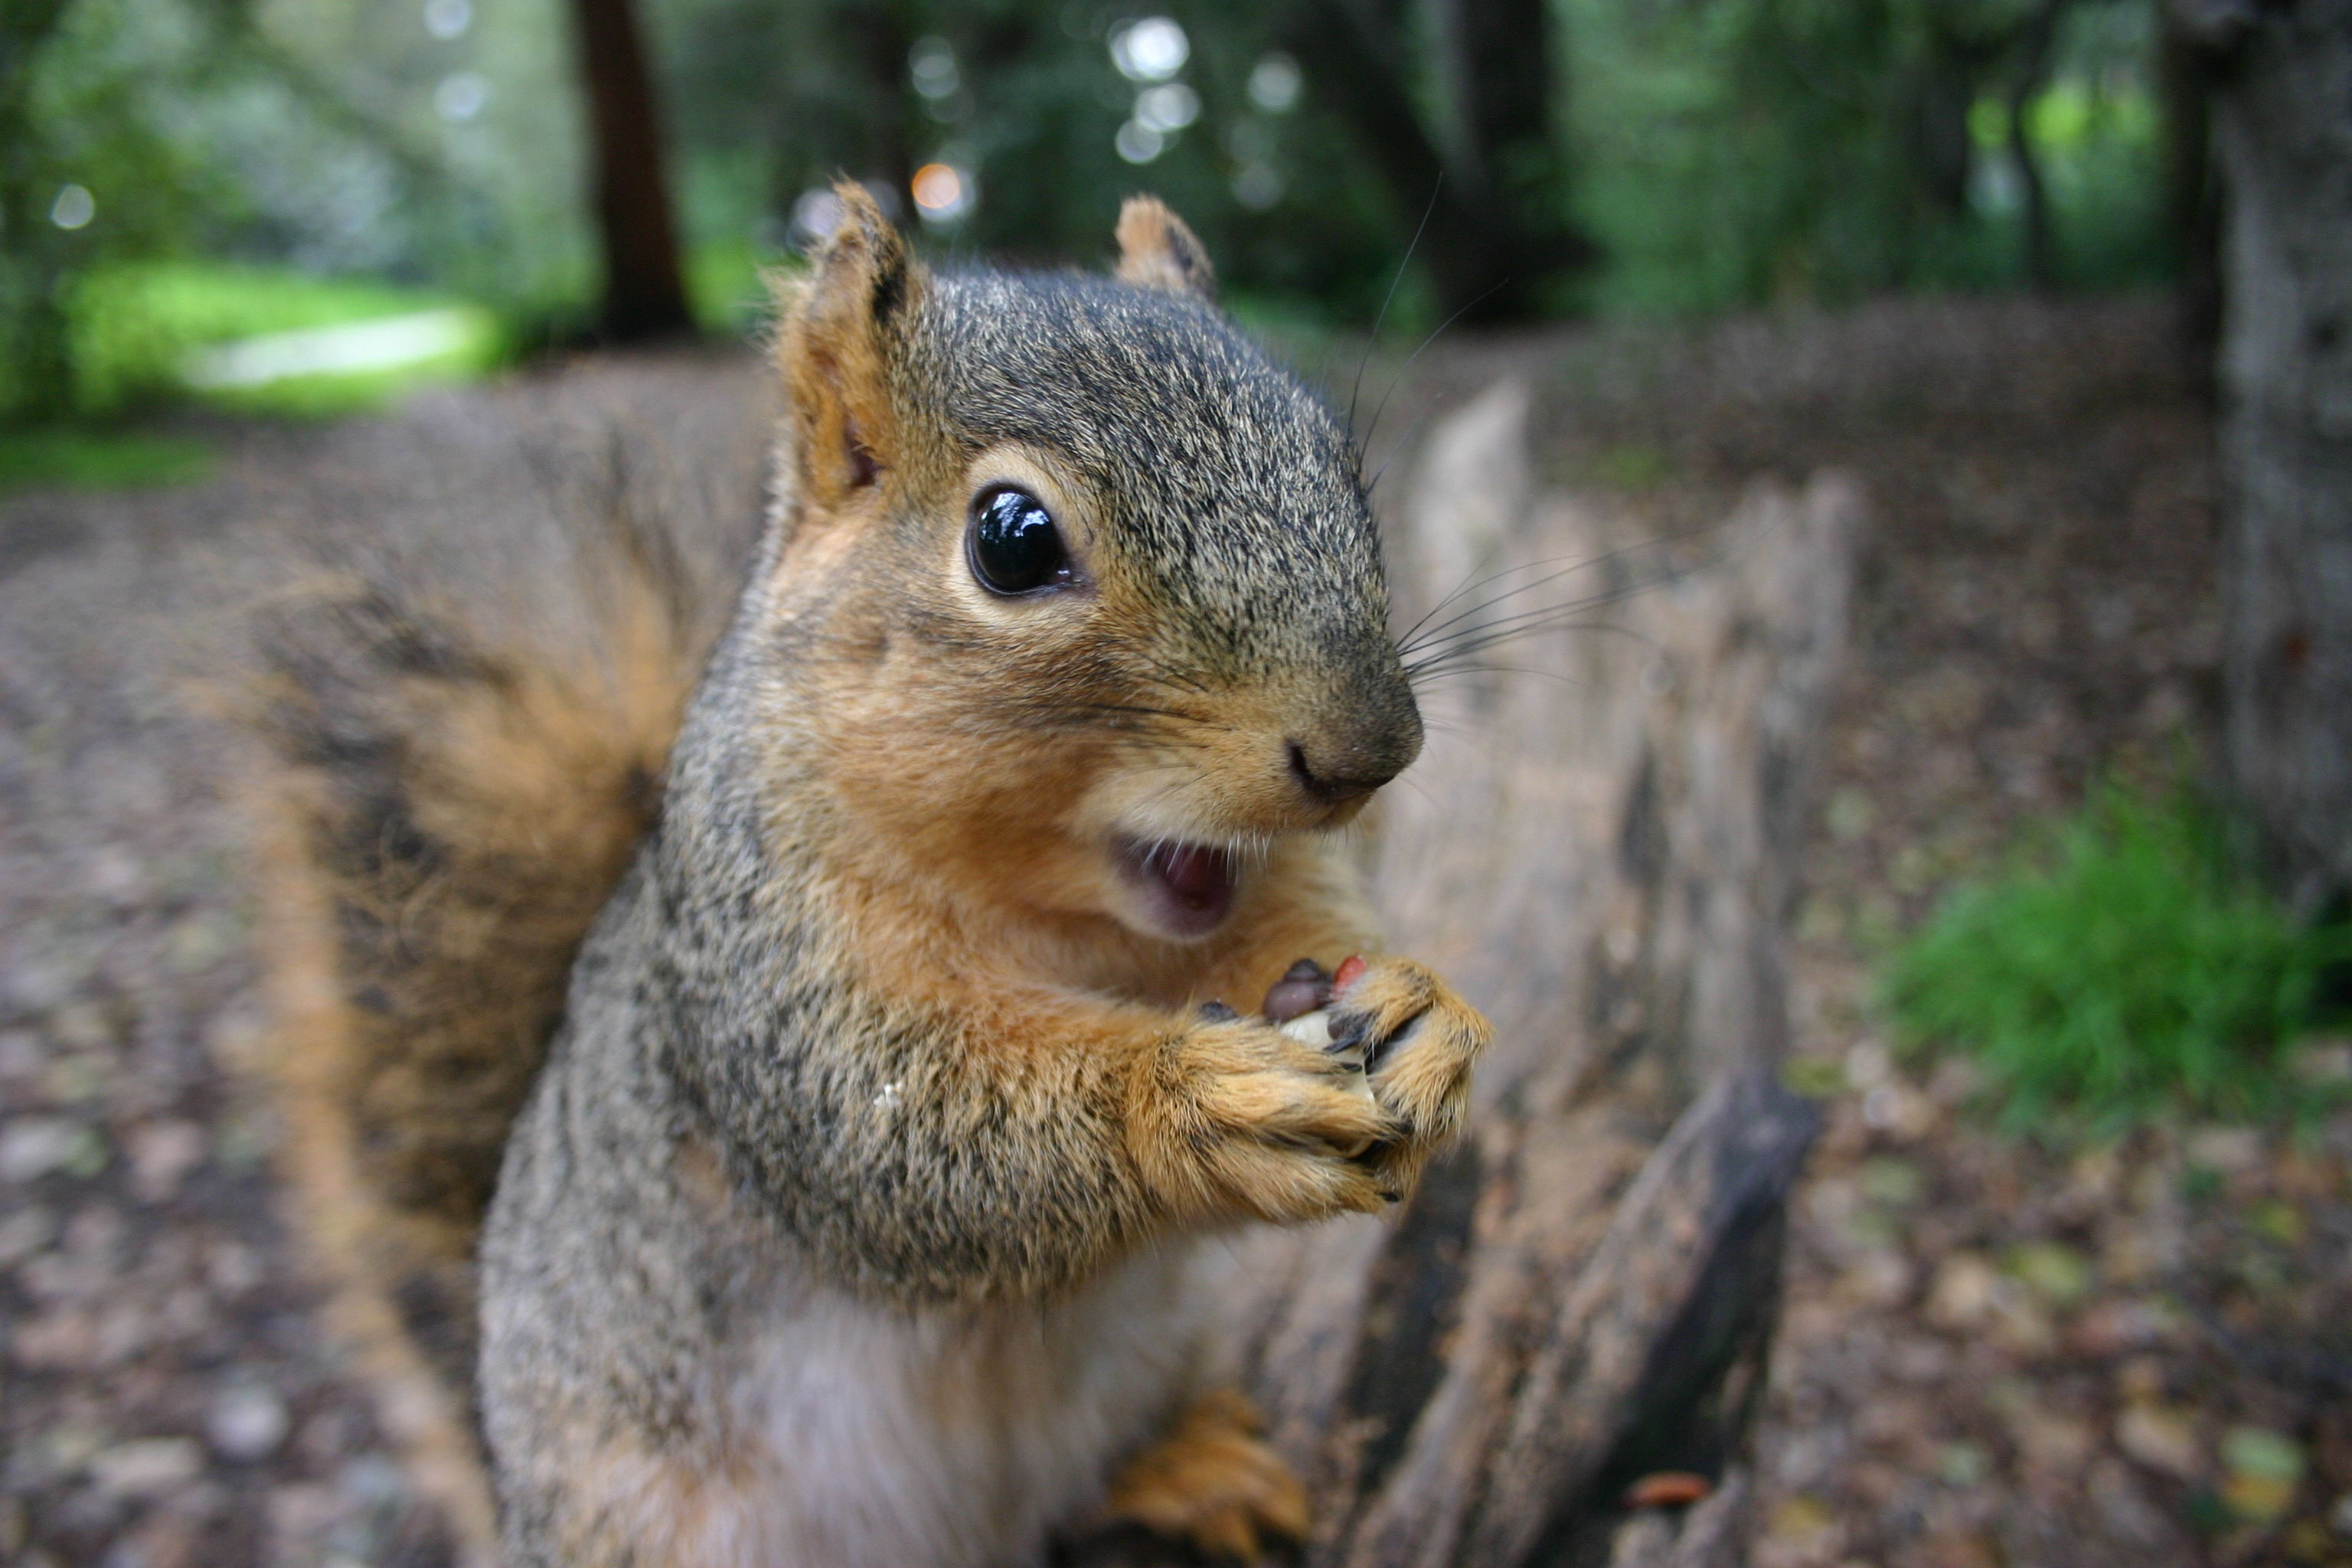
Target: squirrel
[(875, 1151)]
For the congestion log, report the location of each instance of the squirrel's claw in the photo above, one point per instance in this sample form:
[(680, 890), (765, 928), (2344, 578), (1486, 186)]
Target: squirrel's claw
[(1419, 1040)]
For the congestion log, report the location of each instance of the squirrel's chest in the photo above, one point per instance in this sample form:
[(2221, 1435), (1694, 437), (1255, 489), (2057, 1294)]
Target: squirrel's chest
[(887, 1437)]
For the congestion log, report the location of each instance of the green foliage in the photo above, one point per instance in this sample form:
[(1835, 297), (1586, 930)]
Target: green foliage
[(728, 285), (2101, 148), (76, 119), (307, 138), (2127, 966), (775, 100), (1725, 152), (1633, 466), (98, 459), (1739, 152)]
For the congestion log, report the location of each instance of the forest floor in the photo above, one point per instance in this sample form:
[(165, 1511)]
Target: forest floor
[(1993, 1351)]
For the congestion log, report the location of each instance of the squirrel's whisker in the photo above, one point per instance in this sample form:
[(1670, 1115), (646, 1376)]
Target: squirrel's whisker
[(1417, 638), (1389, 299), (1480, 298), (1405, 638), (1170, 675), (1469, 639), (1435, 649), (1422, 681), (1450, 660), (1405, 443)]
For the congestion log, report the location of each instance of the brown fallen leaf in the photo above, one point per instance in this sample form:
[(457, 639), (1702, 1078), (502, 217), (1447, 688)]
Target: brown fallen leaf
[(1668, 1489)]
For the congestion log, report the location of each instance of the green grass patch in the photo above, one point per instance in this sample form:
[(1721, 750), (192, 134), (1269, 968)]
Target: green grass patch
[(327, 394), (2122, 965), (139, 332), (98, 459)]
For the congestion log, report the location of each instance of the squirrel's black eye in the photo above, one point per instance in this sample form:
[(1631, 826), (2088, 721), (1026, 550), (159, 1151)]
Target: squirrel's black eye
[(1013, 544)]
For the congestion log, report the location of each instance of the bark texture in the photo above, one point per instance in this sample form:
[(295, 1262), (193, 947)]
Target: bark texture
[(1601, 856), (2282, 114)]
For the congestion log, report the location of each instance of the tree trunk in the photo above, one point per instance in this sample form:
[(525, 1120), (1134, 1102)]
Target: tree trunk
[(2033, 74), (1938, 99), (1494, 234), (1583, 1295), (1507, 104), (2282, 110), (645, 294), (881, 38), (2192, 210)]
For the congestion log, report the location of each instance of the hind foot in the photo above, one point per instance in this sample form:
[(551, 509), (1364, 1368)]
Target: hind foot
[(1213, 1482)]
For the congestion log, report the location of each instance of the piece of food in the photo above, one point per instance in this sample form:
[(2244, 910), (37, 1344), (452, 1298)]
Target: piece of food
[(1306, 987), (1300, 1004), (1312, 1028)]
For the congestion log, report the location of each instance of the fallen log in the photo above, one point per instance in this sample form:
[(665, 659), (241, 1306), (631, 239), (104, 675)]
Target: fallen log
[(1600, 849)]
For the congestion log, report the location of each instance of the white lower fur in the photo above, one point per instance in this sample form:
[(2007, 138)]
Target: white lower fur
[(879, 1439)]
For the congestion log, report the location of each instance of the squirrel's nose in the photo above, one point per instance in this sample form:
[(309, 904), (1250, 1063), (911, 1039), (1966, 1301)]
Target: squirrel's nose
[(1336, 774), (1356, 734)]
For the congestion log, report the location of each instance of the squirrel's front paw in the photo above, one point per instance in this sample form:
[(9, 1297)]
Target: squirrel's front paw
[(1255, 1120), (1407, 1031), (1419, 1040)]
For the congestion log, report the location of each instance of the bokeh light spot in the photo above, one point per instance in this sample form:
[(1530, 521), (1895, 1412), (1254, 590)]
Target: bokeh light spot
[(74, 208), (942, 192), (932, 65), (1139, 143), (1169, 107), (1152, 49), (1258, 187), (1274, 83), (461, 95)]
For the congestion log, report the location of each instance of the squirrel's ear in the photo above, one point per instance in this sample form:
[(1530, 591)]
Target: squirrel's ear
[(841, 336), (1157, 251)]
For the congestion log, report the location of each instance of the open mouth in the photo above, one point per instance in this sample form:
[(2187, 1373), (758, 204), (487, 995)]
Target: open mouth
[(1189, 887)]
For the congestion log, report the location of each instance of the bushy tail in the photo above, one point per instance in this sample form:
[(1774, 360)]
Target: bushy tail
[(467, 709)]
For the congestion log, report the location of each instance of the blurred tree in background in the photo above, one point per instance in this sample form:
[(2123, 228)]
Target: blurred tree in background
[(1751, 150), (637, 229), (2282, 117), (172, 172)]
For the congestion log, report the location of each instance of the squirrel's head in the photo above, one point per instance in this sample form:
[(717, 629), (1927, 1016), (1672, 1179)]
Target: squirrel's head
[(1076, 591)]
